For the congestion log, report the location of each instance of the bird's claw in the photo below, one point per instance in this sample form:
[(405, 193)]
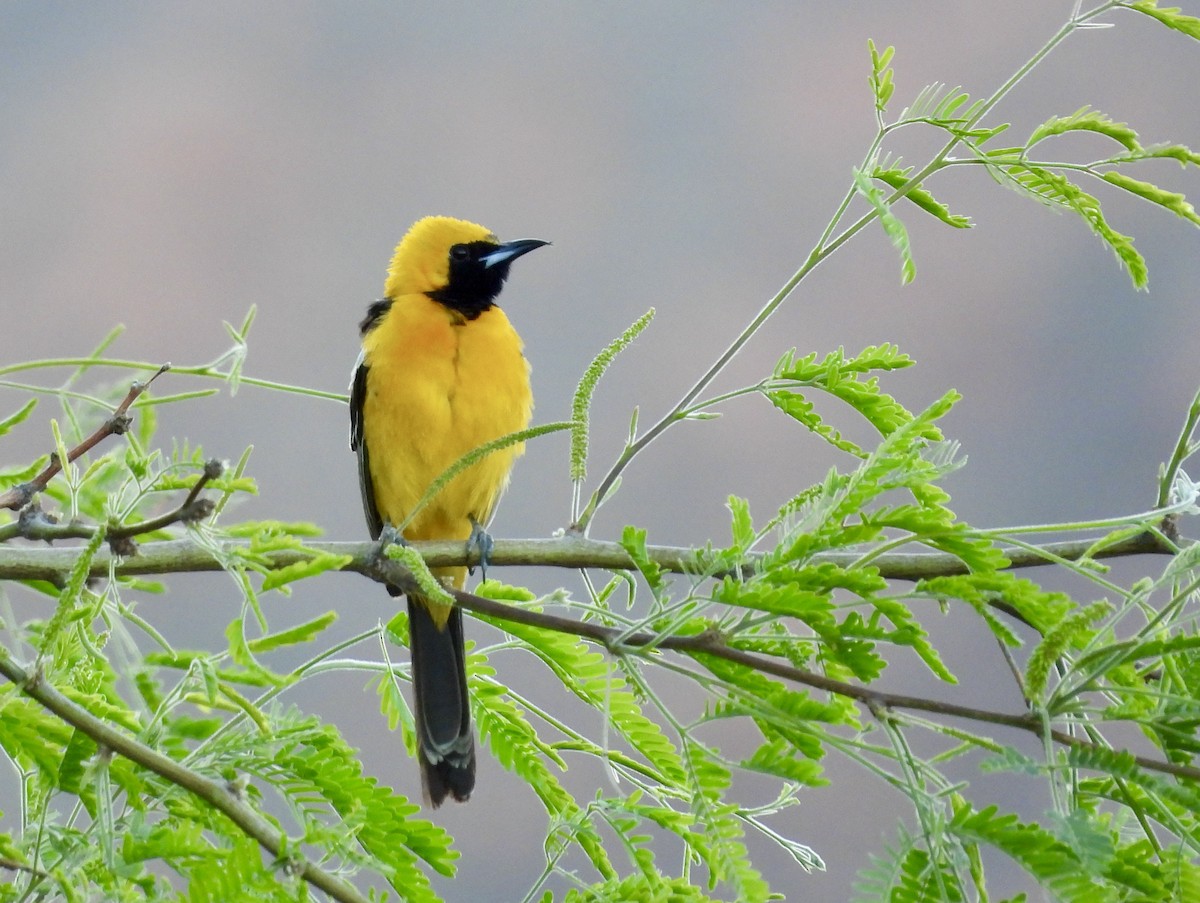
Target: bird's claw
[(388, 536), (480, 541)]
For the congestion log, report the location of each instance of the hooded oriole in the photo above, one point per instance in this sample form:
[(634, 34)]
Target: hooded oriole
[(441, 372)]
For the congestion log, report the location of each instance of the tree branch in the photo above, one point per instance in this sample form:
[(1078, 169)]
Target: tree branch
[(574, 551), (712, 643), (569, 551), (215, 793)]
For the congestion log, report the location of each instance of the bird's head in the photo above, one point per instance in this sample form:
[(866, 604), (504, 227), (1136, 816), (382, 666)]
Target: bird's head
[(457, 263)]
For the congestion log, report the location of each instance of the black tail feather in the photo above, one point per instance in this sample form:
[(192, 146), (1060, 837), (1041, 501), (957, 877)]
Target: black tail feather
[(445, 742)]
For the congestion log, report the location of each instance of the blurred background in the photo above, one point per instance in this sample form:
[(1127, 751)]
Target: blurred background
[(165, 166)]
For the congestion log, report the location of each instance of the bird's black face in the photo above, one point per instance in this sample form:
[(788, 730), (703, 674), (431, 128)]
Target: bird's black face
[(477, 273)]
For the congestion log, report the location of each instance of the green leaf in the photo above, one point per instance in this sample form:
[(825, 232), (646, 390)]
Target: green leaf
[(1049, 860), (316, 563), (516, 746), (1176, 203), (301, 633), (1170, 16), (839, 376), (881, 75), (74, 763), (383, 822), (727, 858), (778, 758), (897, 178), (1086, 119), (742, 525), (241, 654), (23, 474), (31, 736), (892, 226), (592, 677), (17, 417), (264, 531), (1052, 188), (1182, 154), (633, 541), (990, 587)]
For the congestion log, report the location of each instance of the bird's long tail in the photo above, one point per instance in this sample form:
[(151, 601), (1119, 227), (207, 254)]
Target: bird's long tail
[(445, 743)]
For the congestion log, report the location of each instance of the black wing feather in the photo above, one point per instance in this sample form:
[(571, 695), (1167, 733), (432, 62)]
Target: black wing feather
[(358, 394)]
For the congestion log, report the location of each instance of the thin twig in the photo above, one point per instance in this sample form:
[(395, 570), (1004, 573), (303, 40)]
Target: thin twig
[(35, 525), (711, 643), (116, 424)]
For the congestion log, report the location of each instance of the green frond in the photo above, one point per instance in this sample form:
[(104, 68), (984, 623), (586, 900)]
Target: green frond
[(1056, 641), (640, 888), (67, 608), (1180, 153), (892, 226), (14, 476), (315, 764), (898, 178), (31, 736), (633, 541), (241, 654), (593, 678), (236, 872), (1170, 200), (881, 75), (517, 747), (1170, 16), (1085, 119), (881, 878), (724, 852), (1040, 608), (1036, 850), (839, 375), (301, 633), (581, 404), (17, 416), (1056, 190)]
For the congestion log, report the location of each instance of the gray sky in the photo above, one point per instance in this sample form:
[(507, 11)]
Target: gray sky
[(165, 166)]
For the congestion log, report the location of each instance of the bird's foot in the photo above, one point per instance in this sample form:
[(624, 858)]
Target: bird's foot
[(480, 541), (388, 536)]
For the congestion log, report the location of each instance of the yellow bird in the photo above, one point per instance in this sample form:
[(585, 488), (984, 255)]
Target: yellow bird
[(441, 372)]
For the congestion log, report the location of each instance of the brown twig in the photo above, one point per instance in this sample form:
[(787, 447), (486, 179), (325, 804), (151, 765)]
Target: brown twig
[(713, 644), (34, 524), (116, 424)]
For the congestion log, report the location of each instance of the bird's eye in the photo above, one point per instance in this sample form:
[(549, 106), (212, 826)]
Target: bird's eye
[(460, 252)]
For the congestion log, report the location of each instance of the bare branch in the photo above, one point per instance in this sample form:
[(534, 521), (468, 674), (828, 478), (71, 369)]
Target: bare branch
[(570, 551), (19, 496)]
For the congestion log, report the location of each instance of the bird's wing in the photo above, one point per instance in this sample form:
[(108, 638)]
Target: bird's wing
[(358, 394)]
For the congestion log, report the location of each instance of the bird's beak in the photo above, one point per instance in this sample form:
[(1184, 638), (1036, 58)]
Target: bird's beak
[(511, 250)]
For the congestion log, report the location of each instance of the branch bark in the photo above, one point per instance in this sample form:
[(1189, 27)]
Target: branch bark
[(570, 551)]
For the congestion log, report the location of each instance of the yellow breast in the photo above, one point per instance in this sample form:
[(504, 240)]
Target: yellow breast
[(438, 386)]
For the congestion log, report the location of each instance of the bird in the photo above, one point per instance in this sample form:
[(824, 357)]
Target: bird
[(441, 372)]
